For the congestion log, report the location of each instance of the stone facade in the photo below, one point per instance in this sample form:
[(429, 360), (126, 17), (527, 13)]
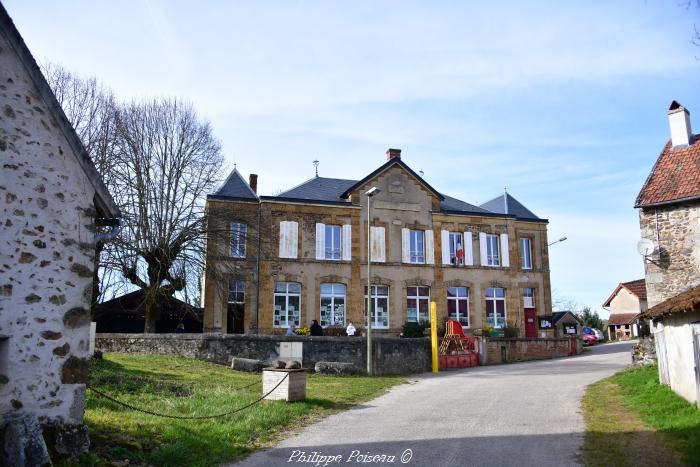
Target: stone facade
[(392, 355), (403, 203), (50, 196), (519, 350), (675, 230)]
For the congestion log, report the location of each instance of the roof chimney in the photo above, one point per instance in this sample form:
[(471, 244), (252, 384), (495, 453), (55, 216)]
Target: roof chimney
[(253, 182), (679, 121), (393, 153)]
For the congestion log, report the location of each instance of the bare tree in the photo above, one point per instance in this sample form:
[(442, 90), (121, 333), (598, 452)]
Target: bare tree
[(90, 108), (167, 161)]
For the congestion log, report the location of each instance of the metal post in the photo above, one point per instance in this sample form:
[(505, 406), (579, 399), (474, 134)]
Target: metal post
[(369, 289)]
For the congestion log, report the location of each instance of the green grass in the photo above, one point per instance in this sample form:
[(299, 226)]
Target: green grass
[(631, 419), (182, 386)]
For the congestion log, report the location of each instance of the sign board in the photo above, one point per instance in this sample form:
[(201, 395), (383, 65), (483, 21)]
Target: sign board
[(545, 322), (569, 329)]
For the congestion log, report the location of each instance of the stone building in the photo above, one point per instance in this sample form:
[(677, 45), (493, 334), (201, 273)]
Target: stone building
[(52, 201), (627, 301), (302, 255), (669, 217)]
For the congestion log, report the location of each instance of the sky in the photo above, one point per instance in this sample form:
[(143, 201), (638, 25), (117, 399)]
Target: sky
[(562, 103)]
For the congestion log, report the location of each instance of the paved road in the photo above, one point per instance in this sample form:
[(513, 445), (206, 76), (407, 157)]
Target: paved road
[(519, 414)]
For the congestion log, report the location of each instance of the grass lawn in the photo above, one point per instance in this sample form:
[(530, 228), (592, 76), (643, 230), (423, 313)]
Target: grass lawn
[(633, 420), (182, 386)]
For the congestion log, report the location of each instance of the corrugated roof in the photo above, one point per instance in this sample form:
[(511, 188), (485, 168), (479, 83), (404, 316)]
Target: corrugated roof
[(675, 176), (235, 186), (506, 204)]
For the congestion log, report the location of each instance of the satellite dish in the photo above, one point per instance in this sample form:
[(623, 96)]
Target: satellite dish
[(645, 247)]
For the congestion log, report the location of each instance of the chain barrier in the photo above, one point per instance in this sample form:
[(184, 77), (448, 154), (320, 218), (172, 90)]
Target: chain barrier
[(184, 417)]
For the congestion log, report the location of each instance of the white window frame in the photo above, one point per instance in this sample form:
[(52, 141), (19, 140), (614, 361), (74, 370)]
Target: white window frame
[(528, 297), (287, 295), (495, 301), (375, 299), (453, 239), (493, 258), (239, 235), (235, 287), (418, 298), (333, 295), (459, 299), (525, 253), (417, 255), (333, 252)]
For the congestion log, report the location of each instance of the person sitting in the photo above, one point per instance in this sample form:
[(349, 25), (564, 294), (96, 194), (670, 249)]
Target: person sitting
[(316, 329), (292, 330), (350, 330)]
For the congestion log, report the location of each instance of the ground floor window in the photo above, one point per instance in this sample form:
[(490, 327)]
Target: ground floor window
[(287, 304), (458, 305), (333, 304), (380, 306), (417, 304), (496, 307)]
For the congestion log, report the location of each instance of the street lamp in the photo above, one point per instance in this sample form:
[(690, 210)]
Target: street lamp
[(557, 241), (370, 193)]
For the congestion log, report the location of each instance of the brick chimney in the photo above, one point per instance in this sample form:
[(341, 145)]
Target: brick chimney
[(393, 153), (679, 121), (253, 182)]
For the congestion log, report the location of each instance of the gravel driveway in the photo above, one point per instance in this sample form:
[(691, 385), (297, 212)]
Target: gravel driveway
[(517, 414)]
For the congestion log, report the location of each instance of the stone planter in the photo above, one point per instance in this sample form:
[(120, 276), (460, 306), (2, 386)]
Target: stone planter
[(292, 389)]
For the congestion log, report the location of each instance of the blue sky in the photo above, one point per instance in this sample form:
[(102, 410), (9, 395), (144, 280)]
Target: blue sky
[(564, 103)]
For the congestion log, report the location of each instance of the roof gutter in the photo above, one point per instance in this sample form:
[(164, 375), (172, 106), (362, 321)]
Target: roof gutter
[(106, 236)]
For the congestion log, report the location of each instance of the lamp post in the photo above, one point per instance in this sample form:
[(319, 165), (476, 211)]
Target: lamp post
[(370, 193), (557, 241)]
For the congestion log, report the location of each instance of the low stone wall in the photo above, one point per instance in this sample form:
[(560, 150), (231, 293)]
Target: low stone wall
[(392, 355), (495, 351)]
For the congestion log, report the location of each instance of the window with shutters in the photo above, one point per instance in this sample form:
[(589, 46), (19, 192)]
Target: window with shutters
[(456, 248), (417, 304), (333, 305), (496, 307), (493, 257), (239, 232), (380, 306), (333, 242), (525, 253), (458, 305), (287, 303), (417, 246)]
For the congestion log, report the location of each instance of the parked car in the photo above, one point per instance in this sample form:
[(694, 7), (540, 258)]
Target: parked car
[(594, 332), (589, 339)]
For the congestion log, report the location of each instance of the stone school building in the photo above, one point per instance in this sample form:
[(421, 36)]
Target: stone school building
[(302, 255)]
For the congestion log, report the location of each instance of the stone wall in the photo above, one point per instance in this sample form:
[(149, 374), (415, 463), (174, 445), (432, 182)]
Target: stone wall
[(675, 230), (392, 355), (495, 351), (46, 258)]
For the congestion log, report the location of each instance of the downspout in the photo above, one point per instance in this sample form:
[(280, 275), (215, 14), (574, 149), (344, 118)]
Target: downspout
[(257, 275)]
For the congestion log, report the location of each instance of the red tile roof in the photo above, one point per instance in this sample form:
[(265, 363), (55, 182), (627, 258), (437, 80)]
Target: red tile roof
[(675, 176), (637, 287), (622, 318)]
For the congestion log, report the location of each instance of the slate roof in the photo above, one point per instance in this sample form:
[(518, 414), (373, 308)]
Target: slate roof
[(236, 187), (618, 319), (637, 287), (683, 302), (319, 189), (560, 315), (451, 204), (506, 204), (674, 178), (103, 200)]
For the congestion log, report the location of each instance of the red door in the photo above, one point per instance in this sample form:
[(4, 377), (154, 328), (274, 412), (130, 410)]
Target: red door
[(530, 323)]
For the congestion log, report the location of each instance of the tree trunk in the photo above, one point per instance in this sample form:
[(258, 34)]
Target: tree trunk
[(150, 313)]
